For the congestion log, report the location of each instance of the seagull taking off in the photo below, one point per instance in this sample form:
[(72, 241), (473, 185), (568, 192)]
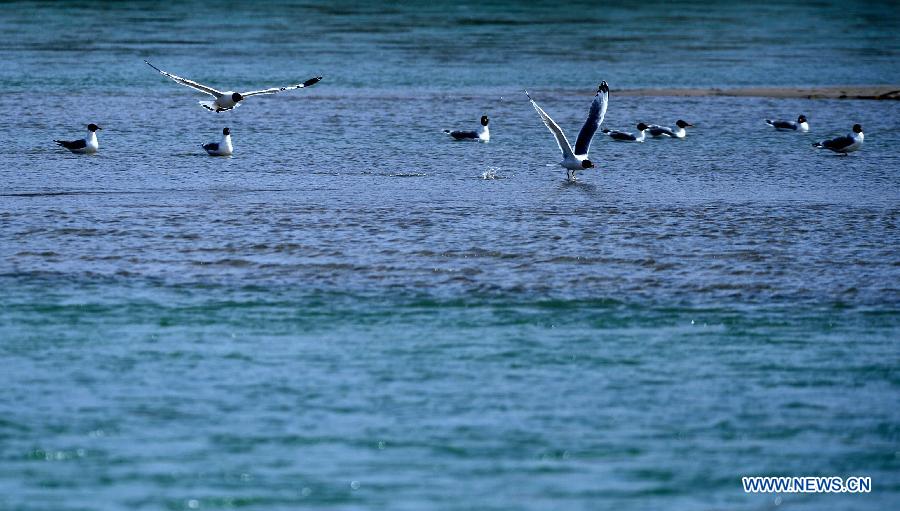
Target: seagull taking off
[(800, 125), (222, 148), (87, 145), (576, 160), (229, 99), (845, 144), (483, 134)]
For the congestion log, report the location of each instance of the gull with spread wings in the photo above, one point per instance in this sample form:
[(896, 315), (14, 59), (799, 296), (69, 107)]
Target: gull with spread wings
[(229, 99), (576, 159)]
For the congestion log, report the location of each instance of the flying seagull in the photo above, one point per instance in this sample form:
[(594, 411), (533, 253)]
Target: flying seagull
[(229, 99), (845, 144), (222, 148), (576, 160), (483, 134), (87, 145)]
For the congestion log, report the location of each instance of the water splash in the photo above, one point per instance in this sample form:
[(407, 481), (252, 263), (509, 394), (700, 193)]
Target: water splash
[(490, 173)]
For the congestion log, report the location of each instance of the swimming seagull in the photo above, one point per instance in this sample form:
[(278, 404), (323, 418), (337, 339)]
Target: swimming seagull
[(576, 160), (87, 145), (800, 125), (222, 148), (845, 144), (657, 131), (483, 134), (621, 136), (229, 99)]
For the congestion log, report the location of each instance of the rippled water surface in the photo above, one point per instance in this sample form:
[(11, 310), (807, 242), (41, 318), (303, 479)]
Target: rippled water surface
[(354, 312)]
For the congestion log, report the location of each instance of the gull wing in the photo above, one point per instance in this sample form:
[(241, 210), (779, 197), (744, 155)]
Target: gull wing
[(838, 144), (188, 83), (554, 128), (73, 144), (462, 135), (782, 125), (657, 130), (595, 117), (619, 135), (275, 90)]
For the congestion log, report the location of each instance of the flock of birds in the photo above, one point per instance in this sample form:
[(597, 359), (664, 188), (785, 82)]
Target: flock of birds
[(575, 158), (221, 102)]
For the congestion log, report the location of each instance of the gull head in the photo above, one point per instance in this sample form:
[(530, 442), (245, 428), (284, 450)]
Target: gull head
[(236, 97), (682, 124), (226, 131), (93, 127), (857, 128), (587, 164), (484, 120)]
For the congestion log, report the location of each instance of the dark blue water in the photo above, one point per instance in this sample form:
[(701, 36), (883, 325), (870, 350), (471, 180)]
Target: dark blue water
[(354, 312)]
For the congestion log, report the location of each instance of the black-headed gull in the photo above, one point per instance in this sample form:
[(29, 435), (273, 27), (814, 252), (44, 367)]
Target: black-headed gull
[(800, 125), (221, 148), (576, 159), (229, 99), (622, 136), (482, 134), (845, 144), (657, 131), (87, 145)]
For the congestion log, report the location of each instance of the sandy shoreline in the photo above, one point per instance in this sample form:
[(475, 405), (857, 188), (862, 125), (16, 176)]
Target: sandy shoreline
[(839, 92)]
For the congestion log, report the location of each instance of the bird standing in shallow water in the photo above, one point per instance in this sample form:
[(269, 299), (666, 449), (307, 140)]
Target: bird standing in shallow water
[(657, 131), (845, 144), (222, 148), (87, 145), (800, 125), (576, 159), (621, 136), (483, 134)]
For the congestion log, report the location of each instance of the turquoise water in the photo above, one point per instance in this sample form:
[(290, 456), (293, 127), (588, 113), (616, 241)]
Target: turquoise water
[(348, 315)]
